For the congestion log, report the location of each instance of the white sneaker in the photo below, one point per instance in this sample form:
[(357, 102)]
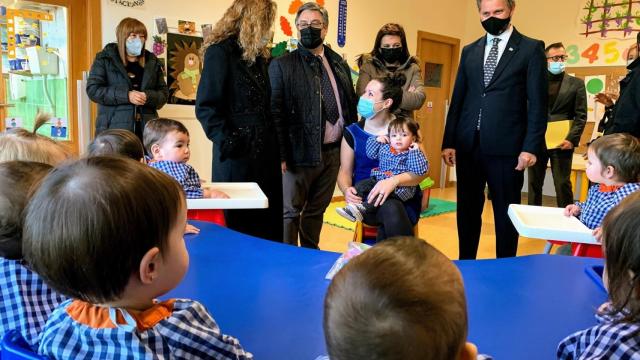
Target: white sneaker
[(350, 212)]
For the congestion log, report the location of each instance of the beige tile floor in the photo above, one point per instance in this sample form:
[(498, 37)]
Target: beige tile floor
[(441, 232)]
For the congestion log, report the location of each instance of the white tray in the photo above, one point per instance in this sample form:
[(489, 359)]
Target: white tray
[(242, 195), (549, 223)]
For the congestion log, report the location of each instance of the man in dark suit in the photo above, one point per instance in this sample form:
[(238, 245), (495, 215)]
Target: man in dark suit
[(496, 124), (567, 102)]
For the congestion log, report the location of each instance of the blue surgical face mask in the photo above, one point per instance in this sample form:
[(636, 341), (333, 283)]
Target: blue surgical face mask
[(134, 47), (556, 67), (366, 108)]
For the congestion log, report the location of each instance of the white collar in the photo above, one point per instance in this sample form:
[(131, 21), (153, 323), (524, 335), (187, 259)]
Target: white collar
[(504, 37)]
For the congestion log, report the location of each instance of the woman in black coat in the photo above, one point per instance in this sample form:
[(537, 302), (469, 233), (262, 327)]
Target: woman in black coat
[(232, 104), (127, 81)]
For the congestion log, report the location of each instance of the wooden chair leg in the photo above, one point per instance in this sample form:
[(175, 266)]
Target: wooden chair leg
[(358, 232)]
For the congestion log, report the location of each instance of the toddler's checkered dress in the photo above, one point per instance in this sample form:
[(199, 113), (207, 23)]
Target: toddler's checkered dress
[(393, 163), (25, 301), (174, 329), (184, 173)]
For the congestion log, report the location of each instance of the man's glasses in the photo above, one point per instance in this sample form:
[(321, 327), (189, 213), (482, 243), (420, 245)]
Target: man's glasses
[(314, 24), (558, 58)]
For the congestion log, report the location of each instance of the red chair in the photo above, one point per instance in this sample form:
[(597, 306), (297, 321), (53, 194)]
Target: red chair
[(578, 249), (215, 216)]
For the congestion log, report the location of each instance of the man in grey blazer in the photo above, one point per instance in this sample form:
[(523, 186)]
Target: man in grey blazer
[(567, 101)]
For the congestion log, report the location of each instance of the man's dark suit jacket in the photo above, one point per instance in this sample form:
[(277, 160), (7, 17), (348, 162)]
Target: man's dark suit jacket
[(571, 104), (514, 104)]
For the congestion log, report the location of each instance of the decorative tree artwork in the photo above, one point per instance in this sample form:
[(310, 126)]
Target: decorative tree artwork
[(184, 68), (610, 18)]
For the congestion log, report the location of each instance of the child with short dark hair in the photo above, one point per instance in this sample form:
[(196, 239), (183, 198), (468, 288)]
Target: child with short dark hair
[(25, 300), (107, 232), (616, 335), (401, 299), (613, 164), (117, 142), (397, 153), (167, 143)]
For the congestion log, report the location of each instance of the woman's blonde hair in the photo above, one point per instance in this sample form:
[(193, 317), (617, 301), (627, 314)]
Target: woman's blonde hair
[(250, 21), (123, 30), (22, 145)]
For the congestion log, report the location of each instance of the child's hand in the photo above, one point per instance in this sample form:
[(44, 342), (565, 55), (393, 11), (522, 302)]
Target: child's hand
[(215, 194), (384, 139), (572, 210), (414, 146), (190, 229), (597, 233)]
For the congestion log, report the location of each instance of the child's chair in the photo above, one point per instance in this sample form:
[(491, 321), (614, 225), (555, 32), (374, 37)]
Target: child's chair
[(14, 347), (215, 216), (577, 249)]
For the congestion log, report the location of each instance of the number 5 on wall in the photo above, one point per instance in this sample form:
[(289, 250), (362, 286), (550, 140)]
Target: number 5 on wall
[(611, 52)]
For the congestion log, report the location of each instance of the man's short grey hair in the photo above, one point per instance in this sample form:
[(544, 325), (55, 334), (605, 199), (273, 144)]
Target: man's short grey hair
[(510, 3), (312, 6)]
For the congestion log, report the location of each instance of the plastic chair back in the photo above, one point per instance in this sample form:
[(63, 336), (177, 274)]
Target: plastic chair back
[(14, 347)]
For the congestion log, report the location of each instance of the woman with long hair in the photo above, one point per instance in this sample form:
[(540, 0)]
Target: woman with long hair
[(127, 81), (390, 55), (233, 106)]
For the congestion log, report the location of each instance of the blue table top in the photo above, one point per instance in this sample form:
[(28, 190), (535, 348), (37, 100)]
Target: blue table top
[(270, 296)]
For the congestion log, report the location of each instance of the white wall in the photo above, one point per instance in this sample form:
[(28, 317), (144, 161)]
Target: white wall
[(363, 21)]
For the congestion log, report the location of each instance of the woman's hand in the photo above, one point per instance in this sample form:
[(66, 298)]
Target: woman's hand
[(383, 139), (283, 167), (137, 97), (381, 191), (351, 196)]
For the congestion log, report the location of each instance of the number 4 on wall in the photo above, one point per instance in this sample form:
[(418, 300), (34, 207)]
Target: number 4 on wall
[(591, 53)]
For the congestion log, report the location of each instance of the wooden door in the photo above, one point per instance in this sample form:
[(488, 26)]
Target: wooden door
[(68, 29), (439, 56)]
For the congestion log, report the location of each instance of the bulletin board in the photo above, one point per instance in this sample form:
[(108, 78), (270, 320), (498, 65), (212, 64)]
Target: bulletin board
[(597, 79)]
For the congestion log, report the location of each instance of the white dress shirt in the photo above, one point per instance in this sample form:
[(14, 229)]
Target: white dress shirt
[(504, 37)]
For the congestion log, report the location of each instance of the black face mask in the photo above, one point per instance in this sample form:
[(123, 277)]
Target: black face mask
[(391, 55), (495, 26), (310, 37)]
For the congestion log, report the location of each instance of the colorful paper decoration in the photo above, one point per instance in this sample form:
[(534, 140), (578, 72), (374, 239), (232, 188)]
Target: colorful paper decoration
[(294, 6), (285, 26)]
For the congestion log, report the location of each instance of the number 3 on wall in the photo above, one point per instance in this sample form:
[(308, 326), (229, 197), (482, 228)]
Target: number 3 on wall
[(591, 53), (574, 55)]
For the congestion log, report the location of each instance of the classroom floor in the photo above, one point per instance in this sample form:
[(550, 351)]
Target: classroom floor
[(441, 231)]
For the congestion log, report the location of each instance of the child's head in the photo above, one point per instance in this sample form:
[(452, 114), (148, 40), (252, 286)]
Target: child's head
[(117, 142), (614, 159), (621, 244), (18, 179), (20, 144), (166, 139), (401, 299), (104, 229), (403, 131)]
